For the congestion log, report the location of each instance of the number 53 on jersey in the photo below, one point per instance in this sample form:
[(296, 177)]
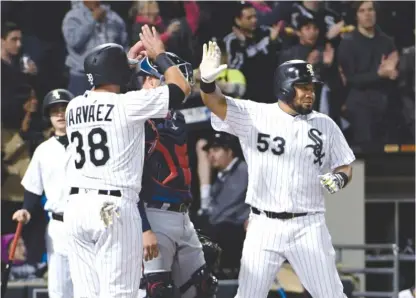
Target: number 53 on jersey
[(267, 142)]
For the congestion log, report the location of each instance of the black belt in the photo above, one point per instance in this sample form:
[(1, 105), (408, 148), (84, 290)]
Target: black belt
[(57, 216), (280, 215), (113, 193), (183, 208)]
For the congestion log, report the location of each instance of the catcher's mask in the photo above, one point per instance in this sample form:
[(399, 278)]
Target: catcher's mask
[(148, 68)]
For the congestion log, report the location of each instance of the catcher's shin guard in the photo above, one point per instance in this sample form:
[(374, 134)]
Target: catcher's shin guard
[(212, 251), (159, 285), (205, 283)]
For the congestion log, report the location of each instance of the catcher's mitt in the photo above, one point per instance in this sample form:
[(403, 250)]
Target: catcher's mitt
[(212, 251)]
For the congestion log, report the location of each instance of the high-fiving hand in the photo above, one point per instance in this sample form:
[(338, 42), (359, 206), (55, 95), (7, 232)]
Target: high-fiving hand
[(152, 42), (210, 66)]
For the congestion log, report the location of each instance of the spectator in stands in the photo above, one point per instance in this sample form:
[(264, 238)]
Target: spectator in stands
[(253, 50), (18, 145), (84, 27), (16, 153), (178, 24), (20, 270), (32, 129), (407, 88), (42, 39), (16, 71), (329, 22), (232, 82), (223, 201), (147, 12), (270, 13), (368, 59), (322, 57)]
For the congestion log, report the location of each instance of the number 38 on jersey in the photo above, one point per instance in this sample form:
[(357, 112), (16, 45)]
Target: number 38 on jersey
[(96, 148)]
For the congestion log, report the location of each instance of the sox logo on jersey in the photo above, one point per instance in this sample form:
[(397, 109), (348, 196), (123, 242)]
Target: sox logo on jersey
[(314, 134), (285, 155)]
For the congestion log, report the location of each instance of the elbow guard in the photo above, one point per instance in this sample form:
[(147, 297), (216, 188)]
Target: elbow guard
[(176, 96)]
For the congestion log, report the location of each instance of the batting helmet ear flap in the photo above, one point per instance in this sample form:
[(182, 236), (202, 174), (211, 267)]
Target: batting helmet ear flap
[(285, 91), (283, 88)]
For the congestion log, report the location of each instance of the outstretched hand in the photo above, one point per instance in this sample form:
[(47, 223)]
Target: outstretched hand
[(151, 42), (210, 66)]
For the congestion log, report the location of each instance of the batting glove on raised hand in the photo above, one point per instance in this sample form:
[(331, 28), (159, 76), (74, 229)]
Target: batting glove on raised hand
[(331, 182), (210, 66)]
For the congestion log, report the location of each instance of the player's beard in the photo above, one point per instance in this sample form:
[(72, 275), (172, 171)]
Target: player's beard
[(300, 110)]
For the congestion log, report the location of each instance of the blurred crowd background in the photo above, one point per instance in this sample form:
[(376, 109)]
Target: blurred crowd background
[(371, 96)]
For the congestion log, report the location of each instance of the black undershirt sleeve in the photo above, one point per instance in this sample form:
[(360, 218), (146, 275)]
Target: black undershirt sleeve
[(31, 201)]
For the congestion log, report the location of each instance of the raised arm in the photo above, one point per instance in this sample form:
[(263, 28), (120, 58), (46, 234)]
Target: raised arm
[(230, 115), (156, 51), (210, 68)]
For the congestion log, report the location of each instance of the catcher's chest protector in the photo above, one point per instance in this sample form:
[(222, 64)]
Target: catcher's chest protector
[(167, 155)]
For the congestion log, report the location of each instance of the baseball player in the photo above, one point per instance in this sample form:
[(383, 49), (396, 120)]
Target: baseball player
[(47, 174), (180, 266), (291, 152), (106, 134)]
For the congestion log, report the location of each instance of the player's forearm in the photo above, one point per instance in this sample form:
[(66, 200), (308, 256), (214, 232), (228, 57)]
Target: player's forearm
[(346, 169), (143, 215), (335, 30), (26, 122), (213, 98)]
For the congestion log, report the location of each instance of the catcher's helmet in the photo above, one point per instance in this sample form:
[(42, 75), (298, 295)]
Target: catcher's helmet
[(108, 64), (148, 68), (54, 97), (290, 73)]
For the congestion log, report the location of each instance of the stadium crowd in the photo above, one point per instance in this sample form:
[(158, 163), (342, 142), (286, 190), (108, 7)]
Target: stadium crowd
[(368, 94)]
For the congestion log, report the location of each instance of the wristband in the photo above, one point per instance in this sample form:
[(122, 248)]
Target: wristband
[(207, 87), (163, 62), (343, 179)]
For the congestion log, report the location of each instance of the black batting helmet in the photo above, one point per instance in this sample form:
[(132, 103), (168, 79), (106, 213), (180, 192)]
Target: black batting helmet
[(108, 64), (54, 97), (293, 72), (148, 68)]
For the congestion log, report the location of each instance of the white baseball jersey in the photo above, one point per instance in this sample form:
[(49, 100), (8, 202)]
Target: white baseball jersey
[(47, 173), (285, 154), (106, 133)]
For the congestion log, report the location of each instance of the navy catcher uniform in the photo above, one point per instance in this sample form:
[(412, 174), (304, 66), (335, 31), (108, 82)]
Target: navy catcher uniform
[(180, 266)]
